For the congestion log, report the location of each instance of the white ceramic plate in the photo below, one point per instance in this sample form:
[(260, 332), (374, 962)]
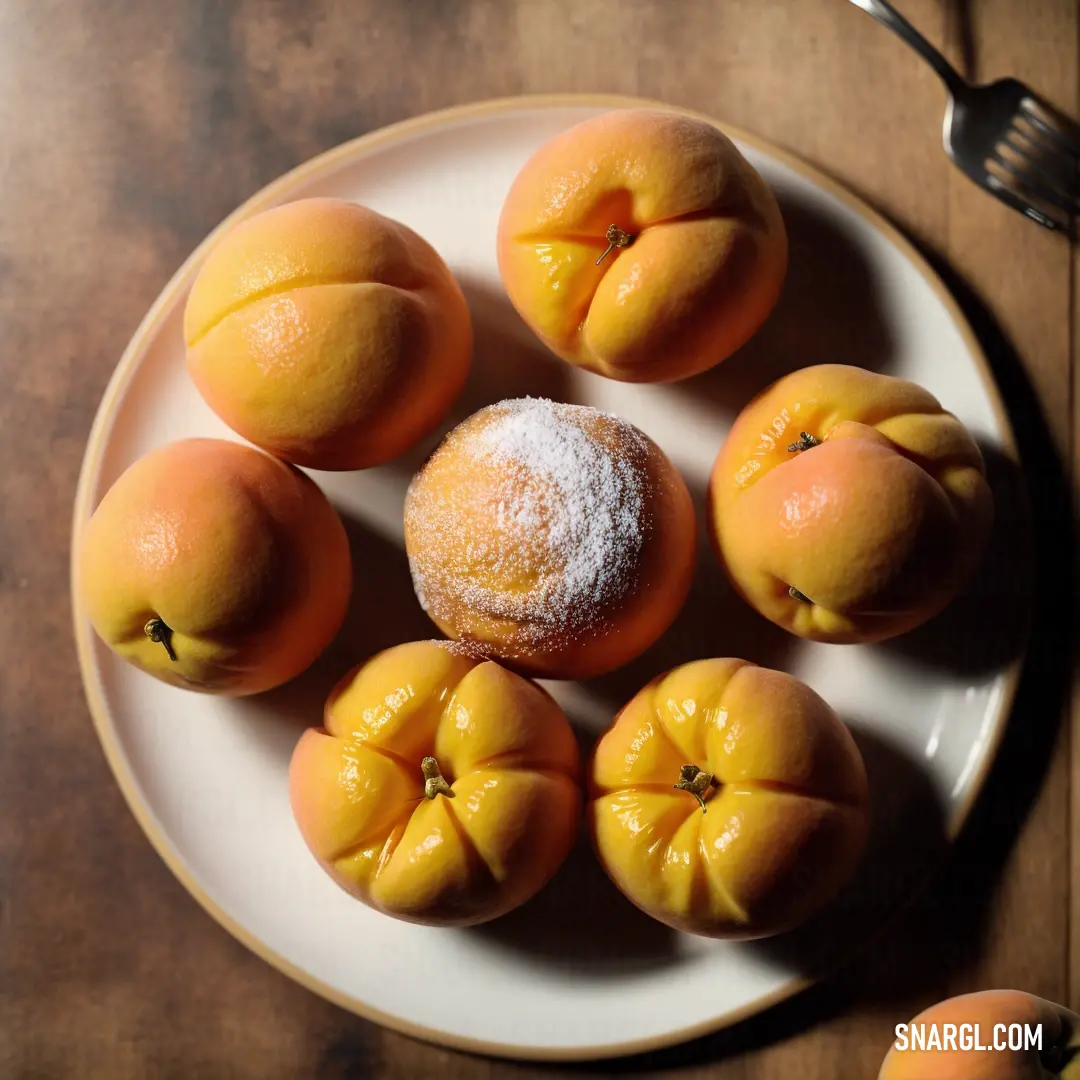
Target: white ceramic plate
[(577, 972)]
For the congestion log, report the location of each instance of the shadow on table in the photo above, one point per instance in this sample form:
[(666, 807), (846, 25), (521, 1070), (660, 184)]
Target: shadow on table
[(941, 933), (944, 934), (829, 312)]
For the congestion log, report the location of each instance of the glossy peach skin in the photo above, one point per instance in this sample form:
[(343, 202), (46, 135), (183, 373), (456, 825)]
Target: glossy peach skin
[(705, 267), (878, 527), (501, 743), (327, 334), (240, 555), (1059, 1057), (784, 822)]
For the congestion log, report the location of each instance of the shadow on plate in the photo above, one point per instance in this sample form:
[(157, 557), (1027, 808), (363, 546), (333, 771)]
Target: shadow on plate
[(907, 839), (581, 924), (507, 362), (714, 622), (985, 628), (941, 933), (829, 312), (383, 612), (944, 934), (580, 919)]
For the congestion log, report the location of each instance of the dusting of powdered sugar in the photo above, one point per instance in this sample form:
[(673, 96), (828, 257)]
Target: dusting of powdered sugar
[(542, 525), (459, 648)]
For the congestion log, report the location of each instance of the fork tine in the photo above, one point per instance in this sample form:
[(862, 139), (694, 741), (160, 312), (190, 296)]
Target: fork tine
[(1036, 142), (1033, 184), (1062, 132), (1026, 138), (1058, 170), (1024, 184), (996, 188)]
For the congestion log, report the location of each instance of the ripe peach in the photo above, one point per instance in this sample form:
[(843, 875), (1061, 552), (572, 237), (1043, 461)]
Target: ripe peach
[(728, 800), (327, 334), (443, 788), (642, 245), (943, 1043), (848, 506), (215, 567)]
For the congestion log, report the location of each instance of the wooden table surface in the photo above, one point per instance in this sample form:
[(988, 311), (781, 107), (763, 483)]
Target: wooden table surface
[(127, 131)]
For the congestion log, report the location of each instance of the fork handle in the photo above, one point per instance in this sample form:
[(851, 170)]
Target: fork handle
[(888, 16)]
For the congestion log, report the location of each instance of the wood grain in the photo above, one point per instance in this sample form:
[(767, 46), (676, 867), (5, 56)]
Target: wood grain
[(1029, 292), (127, 131)]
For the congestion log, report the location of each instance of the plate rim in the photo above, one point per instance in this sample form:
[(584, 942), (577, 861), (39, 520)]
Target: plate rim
[(90, 469)]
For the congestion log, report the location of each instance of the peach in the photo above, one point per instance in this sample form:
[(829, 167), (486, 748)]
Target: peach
[(728, 800), (974, 1037), (848, 506), (554, 537), (443, 789), (642, 245), (327, 334), (215, 567)]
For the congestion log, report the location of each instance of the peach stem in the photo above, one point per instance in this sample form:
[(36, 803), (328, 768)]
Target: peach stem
[(434, 784), (696, 781), (804, 442), (157, 631), (615, 238)]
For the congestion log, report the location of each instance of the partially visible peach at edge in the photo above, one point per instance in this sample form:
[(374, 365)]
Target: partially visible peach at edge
[(988, 1008)]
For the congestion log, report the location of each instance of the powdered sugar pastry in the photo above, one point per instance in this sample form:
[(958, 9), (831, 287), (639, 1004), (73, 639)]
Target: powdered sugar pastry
[(562, 493)]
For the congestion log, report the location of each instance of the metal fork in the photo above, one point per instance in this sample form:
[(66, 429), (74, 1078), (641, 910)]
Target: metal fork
[(1002, 135)]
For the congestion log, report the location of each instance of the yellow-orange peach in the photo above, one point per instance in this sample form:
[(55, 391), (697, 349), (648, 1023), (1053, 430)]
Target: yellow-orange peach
[(728, 800), (987, 1036), (327, 334), (642, 245), (554, 537), (443, 788), (215, 567), (848, 506)]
